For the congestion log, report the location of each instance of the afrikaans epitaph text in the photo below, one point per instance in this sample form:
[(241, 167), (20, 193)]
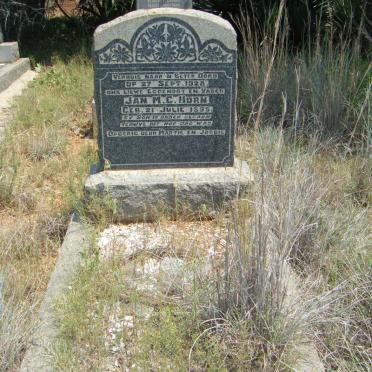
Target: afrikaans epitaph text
[(164, 99)]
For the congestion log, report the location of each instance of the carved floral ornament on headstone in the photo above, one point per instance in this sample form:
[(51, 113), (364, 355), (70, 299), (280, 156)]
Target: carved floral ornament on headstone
[(164, 41)]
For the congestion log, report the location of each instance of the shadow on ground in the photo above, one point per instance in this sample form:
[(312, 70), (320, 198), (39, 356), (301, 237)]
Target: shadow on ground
[(57, 38)]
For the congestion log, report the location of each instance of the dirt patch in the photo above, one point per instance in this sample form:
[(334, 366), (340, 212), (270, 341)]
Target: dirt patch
[(182, 239)]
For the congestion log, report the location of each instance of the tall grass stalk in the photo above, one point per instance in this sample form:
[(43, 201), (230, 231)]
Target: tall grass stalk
[(297, 259), (16, 328), (325, 84), (268, 231)]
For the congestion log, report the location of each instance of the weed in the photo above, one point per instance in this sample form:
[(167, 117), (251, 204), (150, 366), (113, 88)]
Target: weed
[(8, 177), (45, 145), (97, 209), (16, 327)]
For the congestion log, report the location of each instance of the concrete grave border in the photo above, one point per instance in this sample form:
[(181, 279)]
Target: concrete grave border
[(10, 72), (38, 357)]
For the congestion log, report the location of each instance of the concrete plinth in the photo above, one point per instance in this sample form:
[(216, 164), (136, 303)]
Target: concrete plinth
[(9, 52), (140, 194), (10, 72)]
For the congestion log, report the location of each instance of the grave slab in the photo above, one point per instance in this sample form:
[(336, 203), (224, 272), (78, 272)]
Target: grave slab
[(138, 194), (9, 52), (165, 90), (10, 72)]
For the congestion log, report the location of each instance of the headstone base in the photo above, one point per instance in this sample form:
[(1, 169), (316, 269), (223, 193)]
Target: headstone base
[(141, 195)]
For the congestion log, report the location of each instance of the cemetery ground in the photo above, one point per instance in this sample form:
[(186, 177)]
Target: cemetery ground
[(44, 162), (208, 294)]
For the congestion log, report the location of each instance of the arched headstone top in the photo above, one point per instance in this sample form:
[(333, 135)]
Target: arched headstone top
[(164, 40), (206, 26)]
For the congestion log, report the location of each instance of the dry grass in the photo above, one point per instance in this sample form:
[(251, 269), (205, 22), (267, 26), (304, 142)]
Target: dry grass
[(45, 144), (308, 213), (42, 167), (299, 221), (291, 221), (313, 210), (325, 86), (16, 327)]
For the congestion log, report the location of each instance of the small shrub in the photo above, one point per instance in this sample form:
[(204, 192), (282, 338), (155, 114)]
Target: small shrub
[(307, 218), (98, 209), (52, 226), (20, 241), (50, 142), (8, 178)]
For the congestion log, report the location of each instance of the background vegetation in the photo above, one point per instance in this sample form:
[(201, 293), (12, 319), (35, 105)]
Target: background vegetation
[(304, 18)]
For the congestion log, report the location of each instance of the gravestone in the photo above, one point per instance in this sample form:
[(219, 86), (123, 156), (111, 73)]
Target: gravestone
[(11, 66), (165, 90), (8, 51), (165, 94), (148, 4)]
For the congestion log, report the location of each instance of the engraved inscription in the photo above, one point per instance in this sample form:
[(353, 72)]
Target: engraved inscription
[(144, 105), (163, 132)]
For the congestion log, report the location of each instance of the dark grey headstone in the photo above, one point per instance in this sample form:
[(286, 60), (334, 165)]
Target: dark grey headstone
[(149, 4), (165, 90)]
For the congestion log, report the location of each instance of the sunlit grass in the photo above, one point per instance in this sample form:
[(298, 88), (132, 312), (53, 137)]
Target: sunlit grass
[(42, 167)]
